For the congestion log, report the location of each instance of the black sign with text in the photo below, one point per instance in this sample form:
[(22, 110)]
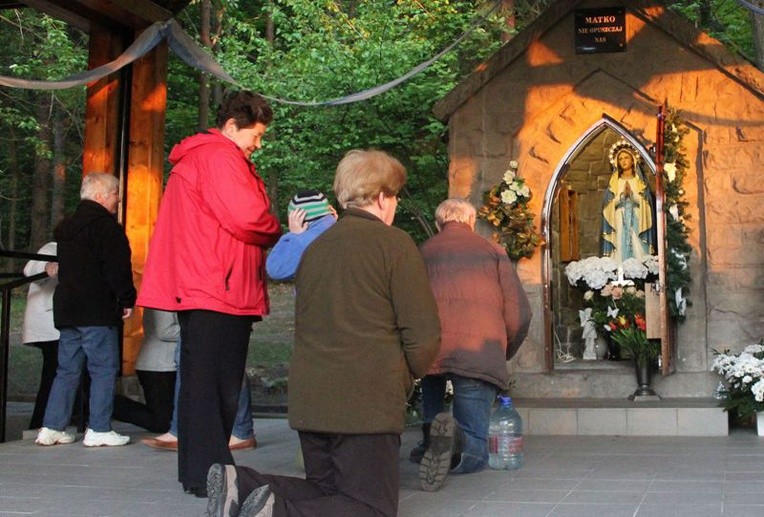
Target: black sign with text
[(600, 30)]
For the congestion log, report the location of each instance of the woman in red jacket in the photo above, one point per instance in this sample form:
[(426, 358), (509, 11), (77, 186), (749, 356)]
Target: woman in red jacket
[(206, 262)]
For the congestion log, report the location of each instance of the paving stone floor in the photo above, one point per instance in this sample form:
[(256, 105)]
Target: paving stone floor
[(563, 476)]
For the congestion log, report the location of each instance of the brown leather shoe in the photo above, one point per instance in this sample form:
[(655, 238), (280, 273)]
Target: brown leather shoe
[(161, 444), (249, 443)]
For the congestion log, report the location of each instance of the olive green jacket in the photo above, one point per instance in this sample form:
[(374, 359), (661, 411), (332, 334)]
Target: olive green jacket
[(366, 325)]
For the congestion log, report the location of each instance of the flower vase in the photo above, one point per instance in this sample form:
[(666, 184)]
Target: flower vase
[(644, 377), (760, 423), (613, 349)]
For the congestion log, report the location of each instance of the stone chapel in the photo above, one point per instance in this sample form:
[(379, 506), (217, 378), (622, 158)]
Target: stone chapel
[(556, 99)]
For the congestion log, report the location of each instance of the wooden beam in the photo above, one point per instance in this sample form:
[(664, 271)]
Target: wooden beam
[(64, 10), (83, 14), (145, 162), (145, 10)]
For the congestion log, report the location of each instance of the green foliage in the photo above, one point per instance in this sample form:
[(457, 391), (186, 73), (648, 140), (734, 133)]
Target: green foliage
[(44, 48), (634, 341), (323, 51), (677, 232), (725, 20)]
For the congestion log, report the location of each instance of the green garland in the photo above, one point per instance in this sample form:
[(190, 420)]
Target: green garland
[(505, 208), (678, 248)]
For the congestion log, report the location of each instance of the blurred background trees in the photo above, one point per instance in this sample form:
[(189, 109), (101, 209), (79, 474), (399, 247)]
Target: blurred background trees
[(300, 50)]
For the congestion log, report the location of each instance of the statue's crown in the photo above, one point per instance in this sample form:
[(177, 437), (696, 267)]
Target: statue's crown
[(619, 146)]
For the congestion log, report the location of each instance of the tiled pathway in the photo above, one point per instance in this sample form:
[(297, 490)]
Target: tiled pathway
[(563, 476)]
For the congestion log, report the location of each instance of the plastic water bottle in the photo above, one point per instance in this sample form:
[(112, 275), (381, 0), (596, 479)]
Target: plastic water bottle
[(505, 437)]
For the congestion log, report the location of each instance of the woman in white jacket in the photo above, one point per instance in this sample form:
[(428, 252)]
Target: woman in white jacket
[(38, 328)]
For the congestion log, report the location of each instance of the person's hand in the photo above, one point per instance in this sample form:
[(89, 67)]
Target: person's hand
[(52, 269), (127, 313), (297, 222), (333, 211)]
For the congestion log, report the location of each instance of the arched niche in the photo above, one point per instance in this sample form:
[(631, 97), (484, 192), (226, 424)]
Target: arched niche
[(571, 225)]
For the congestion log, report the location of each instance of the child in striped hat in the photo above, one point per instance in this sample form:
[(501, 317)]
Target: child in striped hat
[(313, 203), (310, 214)]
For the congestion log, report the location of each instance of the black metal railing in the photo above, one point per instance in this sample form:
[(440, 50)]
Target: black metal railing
[(17, 280)]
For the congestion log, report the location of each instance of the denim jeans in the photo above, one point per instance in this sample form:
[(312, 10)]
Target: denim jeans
[(472, 403), (100, 345), (242, 427)]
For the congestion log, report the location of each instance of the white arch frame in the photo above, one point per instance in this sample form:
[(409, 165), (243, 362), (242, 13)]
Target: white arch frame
[(546, 212)]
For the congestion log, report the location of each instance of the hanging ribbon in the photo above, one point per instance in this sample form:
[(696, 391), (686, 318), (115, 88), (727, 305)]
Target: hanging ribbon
[(195, 56)]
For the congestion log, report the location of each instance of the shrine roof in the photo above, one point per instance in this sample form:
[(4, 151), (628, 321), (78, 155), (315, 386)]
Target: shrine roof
[(110, 14), (653, 12)]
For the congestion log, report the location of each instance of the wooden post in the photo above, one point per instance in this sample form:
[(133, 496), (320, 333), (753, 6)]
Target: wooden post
[(145, 159), (660, 216), (101, 143)]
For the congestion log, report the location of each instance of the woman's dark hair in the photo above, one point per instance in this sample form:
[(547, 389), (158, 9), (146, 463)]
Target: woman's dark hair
[(246, 108)]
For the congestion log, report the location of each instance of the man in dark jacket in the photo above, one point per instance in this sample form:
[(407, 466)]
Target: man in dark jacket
[(95, 293), (484, 316), (366, 325)]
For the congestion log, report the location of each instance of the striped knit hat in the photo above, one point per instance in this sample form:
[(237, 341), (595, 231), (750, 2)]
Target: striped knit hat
[(313, 202)]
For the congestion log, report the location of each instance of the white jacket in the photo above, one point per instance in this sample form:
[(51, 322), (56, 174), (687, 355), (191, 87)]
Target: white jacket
[(38, 315)]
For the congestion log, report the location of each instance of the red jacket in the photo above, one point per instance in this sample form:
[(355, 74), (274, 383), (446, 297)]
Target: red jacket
[(207, 250)]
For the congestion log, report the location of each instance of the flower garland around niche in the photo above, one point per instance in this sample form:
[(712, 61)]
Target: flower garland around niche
[(505, 208), (678, 248)]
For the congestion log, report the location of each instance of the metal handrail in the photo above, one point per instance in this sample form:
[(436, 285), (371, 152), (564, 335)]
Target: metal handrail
[(5, 322)]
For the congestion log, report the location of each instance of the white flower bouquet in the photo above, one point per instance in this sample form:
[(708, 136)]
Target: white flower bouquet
[(742, 389), (505, 208)]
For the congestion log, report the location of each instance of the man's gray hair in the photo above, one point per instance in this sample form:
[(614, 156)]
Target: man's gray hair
[(98, 183), (454, 209)]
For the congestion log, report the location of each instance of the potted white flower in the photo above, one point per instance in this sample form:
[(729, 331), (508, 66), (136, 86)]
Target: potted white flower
[(742, 389)]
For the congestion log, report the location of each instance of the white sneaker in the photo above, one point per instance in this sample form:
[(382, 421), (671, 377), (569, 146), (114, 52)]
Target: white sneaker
[(52, 437), (108, 439)]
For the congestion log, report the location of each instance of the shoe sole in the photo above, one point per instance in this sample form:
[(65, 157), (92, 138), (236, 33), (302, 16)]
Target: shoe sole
[(160, 445), (436, 462), (61, 440), (259, 503), (219, 487), (250, 443), (102, 444), (55, 442)]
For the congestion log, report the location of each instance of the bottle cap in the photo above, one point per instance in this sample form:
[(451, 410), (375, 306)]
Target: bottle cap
[(505, 400)]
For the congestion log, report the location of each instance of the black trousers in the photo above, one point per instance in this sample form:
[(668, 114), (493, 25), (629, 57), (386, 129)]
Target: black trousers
[(49, 351), (156, 413), (347, 475), (213, 352)]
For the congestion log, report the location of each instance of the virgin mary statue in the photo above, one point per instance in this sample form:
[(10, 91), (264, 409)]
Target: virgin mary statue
[(627, 208)]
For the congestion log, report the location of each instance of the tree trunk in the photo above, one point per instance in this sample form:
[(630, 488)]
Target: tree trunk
[(216, 28), (508, 12), (204, 92), (705, 13), (59, 171), (40, 229), (757, 32), (13, 193), (272, 181)]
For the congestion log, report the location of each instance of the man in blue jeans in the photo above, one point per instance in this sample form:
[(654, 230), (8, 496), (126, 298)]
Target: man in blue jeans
[(95, 293), (484, 316)]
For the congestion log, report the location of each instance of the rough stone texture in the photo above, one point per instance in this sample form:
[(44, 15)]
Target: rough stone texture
[(539, 105)]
